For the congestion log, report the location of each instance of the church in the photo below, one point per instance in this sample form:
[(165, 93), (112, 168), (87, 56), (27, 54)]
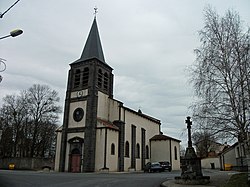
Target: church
[(99, 133)]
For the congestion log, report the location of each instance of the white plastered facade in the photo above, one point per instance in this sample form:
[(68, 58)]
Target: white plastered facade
[(110, 110)]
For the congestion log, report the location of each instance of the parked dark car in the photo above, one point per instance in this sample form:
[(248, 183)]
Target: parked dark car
[(153, 167), (166, 165)]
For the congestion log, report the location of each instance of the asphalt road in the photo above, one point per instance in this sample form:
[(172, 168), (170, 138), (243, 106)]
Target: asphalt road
[(55, 179)]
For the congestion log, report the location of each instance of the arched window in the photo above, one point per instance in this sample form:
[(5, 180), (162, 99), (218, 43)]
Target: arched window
[(126, 149), (99, 82), (85, 77), (105, 83), (137, 151), (147, 152), (112, 149), (77, 78), (175, 152)]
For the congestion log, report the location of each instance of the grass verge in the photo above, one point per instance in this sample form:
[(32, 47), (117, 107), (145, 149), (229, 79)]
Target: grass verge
[(238, 180)]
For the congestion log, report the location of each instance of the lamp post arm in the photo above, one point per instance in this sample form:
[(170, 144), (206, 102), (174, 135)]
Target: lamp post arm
[(5, 36), (1, 15)]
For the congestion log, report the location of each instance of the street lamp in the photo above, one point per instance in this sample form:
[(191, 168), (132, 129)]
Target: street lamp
[(13, 33)]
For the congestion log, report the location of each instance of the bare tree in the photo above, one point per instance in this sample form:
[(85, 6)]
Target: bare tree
[(42, 110), (13, 111), (220, 76), (29, 121), (203, 142)]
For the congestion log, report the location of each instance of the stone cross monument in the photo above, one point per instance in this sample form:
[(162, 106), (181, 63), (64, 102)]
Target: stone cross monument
[(190, 152), (191, 164)]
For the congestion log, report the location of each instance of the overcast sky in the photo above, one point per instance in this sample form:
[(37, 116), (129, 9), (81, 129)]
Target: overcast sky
[(149, 44)]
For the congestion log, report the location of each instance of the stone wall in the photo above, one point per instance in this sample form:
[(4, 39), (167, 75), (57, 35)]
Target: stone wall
[(27, 163)]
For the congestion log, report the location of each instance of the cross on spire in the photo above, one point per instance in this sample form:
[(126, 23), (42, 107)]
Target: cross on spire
[(95, 9)]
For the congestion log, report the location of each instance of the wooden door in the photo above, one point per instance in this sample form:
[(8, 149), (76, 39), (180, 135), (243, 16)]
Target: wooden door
[(75, 163)]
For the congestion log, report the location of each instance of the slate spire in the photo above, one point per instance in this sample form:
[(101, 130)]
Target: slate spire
[(93, 46)]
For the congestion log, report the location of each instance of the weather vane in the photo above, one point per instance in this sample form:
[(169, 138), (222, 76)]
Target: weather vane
[(95, 11)]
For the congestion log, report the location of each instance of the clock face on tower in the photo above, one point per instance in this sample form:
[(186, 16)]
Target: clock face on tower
[(78, 114)]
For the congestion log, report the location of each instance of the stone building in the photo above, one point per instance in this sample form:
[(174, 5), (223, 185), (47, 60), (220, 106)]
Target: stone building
[(99, 132)]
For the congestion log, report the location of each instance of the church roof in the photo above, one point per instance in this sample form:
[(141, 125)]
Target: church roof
[(143, 115), (163, 137), (106, 124), (93, 46)]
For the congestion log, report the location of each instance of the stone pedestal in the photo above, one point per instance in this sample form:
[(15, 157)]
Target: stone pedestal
[(190, 153), (191, 170), (190, 163)]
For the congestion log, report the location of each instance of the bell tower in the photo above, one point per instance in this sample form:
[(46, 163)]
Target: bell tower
[(87, 76), (91, 70)]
